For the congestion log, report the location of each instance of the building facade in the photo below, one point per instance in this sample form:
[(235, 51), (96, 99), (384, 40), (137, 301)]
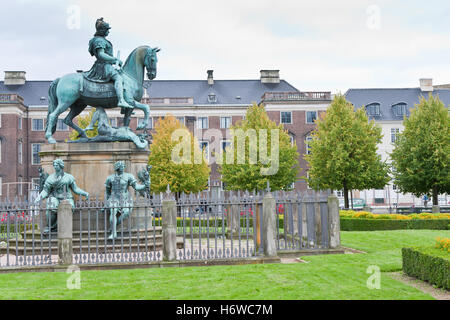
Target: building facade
[(387, 107), (207, 107)]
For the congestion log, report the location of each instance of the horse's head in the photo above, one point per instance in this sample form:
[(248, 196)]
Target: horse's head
[(150, 62)]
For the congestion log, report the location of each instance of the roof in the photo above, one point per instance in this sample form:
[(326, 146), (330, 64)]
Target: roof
[(387, 97), (226, 91)]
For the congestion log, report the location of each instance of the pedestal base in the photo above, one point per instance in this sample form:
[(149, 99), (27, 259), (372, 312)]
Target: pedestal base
[(91, 164)]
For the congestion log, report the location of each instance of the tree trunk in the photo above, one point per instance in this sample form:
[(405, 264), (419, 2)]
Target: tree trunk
[(351, 196), (345, 196), (435, 196)]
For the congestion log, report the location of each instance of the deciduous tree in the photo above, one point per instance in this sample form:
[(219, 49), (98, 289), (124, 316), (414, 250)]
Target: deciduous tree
[(343, 151), (421, 153)]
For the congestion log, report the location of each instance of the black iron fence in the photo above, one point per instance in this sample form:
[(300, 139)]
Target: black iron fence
[(222, 225)]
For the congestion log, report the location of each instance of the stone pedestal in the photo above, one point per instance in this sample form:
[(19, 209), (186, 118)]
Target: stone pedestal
[(91, 164)]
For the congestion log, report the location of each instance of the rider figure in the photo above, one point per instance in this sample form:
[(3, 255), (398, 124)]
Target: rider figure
[(103, 69)]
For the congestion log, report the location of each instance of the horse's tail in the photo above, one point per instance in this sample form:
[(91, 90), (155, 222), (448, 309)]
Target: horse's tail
[(52, 102)]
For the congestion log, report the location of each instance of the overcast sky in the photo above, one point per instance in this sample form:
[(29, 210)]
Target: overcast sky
[(317, 45)]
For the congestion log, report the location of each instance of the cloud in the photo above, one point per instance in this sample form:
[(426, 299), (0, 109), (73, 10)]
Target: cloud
[(320, 45)]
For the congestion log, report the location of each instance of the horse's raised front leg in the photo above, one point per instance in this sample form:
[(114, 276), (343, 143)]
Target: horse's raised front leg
[(146, 110)]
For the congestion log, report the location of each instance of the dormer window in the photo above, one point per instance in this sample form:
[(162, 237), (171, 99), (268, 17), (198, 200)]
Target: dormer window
[(212, 98), (373, 109), (399, 109)]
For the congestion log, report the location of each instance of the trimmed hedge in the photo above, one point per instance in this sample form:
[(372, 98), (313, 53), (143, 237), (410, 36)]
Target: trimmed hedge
[(427, 264), (351, 224)]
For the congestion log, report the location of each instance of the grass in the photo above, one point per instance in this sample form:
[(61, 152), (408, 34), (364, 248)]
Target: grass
[(324, 277)]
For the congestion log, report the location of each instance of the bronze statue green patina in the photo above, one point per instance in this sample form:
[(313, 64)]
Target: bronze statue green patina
[(77, 90), (103, 69), (58, 186), (117, 196), (107, 133)]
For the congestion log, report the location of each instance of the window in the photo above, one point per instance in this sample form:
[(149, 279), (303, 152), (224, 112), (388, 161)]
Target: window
[(225, 122), (225, 144), (19, 125), (307, 180), (35, 183), (19, 152), (373, 109), (61, 126), (307, 146), (37, 124), (292, 138), (202, 123), (212, 98), (113, 122), (399, 109), (1, 186), (35, 149), (181, 120), (311, 116), (19, 186), (340, 193), (149, 124), (204, 145), (394, 134), (286, 117), (394, 187)]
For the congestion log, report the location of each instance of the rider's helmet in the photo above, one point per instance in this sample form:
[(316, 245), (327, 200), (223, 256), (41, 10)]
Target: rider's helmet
[(101, 26)]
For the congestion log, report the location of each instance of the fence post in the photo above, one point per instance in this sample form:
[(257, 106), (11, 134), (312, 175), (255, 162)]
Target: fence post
[(334, 226), (169, 229), (65, 230), (269, 226)]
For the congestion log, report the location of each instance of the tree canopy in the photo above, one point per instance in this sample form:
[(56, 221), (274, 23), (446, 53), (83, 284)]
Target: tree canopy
[(421, 154), (176, 159), (343, 151), (260, 152)]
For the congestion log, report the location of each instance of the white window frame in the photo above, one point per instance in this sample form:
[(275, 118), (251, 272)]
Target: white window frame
[(201, 122), (394, 134), (307, 183), (292, 138), (221, 144), (206, 149), (32, 154), (1, 185), (20, 123), (306, 116), (32, 124), (35, 183), (307, 147), (65, 127), (225, 122), (0, 120), (281, 117)]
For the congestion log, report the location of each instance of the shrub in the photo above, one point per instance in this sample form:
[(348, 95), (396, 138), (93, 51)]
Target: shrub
[(428, 264), (352, 224)]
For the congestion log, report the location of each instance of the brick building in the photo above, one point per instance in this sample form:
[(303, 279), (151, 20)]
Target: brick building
[(200, 104)]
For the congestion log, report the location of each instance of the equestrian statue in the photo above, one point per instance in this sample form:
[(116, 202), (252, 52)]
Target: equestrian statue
[(109, 84)]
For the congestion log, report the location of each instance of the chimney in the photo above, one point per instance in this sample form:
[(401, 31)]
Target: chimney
[(426, 84), (210, 77), (270, 76), (14, 78)]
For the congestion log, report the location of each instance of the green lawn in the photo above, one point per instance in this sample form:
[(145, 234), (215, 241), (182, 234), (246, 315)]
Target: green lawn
[(324, 277)]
